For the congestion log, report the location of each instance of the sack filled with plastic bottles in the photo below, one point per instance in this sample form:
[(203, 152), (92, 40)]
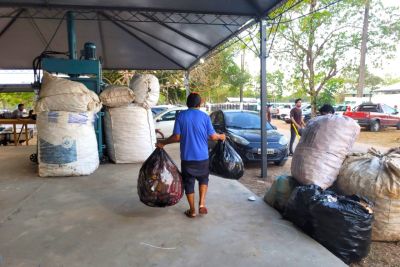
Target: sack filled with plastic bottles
[(160, 182), (225, 161)]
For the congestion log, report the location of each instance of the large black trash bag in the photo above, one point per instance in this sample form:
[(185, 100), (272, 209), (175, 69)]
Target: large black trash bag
[(343, 225), (298, 206), (160, 182), (225, 161)]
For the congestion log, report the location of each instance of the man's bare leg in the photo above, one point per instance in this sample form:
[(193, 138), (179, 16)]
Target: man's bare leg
[(202, 204), (190, 198)]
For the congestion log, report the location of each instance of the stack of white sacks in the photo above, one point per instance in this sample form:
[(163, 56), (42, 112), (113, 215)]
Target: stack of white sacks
[(67, 144), (128, 121)]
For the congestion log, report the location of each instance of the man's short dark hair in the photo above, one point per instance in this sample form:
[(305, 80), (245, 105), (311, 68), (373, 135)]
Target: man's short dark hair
[(20, 105), (327, 109), (193, 100), (297, 100)]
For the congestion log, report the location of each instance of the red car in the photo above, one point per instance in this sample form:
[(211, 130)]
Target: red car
[(375, 116)]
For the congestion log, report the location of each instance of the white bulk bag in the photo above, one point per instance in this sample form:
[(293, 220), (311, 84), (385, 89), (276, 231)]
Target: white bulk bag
[(58, 94), (322, 148), (377, 177), (67, 144), (117, 96), (130, 133), (146, 88)]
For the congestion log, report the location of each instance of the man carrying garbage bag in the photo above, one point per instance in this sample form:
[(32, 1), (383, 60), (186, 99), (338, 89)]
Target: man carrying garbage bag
[(192, 129)]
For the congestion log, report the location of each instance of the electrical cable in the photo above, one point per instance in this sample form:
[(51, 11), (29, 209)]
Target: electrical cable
[(273, 38), (289, 8), (310, 13), (54, 34)]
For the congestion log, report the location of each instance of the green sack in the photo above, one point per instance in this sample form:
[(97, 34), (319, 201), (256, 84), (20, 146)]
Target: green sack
[(278, 194)]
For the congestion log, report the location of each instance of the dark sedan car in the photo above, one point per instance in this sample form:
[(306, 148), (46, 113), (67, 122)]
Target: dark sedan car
[(243, 129)]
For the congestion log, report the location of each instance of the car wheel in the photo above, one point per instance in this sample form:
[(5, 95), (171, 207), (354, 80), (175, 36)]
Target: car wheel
[(280, 163), (398, 126), (375, 126)]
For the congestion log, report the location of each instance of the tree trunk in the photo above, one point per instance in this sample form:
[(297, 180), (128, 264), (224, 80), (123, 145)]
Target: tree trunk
[(361, 78)]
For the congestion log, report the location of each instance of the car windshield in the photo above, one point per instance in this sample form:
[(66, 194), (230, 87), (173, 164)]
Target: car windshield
[(341, 108), (244, 120), (158, 110)]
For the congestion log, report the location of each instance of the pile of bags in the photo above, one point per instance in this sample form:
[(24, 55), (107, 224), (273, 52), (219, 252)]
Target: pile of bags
[(341, 224), (128, 121), (67, 144)]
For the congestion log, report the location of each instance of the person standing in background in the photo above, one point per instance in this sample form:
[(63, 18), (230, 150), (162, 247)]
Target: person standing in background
[(296, 116), (269, 115)]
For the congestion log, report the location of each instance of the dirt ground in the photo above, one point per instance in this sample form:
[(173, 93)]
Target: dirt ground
[(382, 253)]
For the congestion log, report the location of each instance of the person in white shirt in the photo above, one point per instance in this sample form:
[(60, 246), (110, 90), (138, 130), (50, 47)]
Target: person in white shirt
[(19, 112)]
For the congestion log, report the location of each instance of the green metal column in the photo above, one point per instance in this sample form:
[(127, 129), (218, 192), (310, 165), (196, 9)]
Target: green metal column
[(71, 35)]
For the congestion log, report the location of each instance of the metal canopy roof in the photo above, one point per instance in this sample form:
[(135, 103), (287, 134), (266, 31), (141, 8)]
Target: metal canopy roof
[(129, 34)]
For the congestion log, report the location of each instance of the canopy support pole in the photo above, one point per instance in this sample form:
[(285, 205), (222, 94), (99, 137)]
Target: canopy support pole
[(263, 96), (186, 83), (71, 35)]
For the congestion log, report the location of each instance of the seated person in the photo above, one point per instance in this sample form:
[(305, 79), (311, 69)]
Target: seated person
[(32, 115), (19, 112)]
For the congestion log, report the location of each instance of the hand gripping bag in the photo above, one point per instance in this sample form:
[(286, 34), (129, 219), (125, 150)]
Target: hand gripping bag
[(160, 182)]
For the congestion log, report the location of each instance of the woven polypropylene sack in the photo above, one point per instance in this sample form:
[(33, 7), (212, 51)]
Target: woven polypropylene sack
[(322, 148), (376, 176), (117, 96), (67, 144), (59, 94), (160, 182), (279, 193), (146, 88), (130, 133)]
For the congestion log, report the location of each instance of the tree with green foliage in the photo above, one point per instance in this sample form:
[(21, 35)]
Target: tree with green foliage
[(219, 76), (321, 42), (10, 101)]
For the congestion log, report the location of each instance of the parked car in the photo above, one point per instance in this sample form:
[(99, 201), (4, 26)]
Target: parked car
[(274, 110), (243, 129), (158, 109), (284, 110), (375, 116), (165, 120), (340, 109)]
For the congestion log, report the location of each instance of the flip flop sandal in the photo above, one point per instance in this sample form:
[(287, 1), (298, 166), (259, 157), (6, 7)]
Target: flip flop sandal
[(203, 210), (189, 214)]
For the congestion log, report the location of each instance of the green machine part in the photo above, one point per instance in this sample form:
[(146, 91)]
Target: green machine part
[(85, 71)]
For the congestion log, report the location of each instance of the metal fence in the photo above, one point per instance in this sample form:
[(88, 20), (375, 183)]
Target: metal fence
[(231, 106)]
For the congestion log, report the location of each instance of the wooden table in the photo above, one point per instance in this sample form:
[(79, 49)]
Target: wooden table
[(24, 123)]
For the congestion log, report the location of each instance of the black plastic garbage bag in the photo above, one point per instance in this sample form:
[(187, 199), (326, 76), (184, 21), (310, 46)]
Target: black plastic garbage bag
[(160, 182), (225, 161), (298, 206), (343, 225)]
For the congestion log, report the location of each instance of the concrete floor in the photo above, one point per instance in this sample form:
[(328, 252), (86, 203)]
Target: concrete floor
[(99, 221)]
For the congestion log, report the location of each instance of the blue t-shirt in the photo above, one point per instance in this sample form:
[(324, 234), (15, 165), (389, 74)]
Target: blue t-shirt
[(194, 126)]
